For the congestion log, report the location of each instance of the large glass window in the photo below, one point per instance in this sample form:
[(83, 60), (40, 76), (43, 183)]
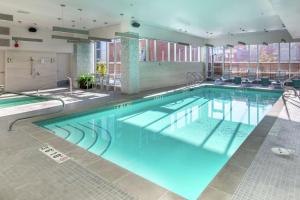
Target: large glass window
[(172, 57), (114, 57), (268, 60), (218, 60), (240, 60), (227, 60), (253, 59), (284, 58), (162, 51), (152, 50), (180, 53), (195, 54), (142, 49), (295, 59)]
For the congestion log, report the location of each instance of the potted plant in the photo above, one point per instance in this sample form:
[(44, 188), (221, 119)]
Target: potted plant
[(85, 81)]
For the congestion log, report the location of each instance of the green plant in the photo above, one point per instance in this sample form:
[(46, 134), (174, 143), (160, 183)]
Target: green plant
[(86, 81)]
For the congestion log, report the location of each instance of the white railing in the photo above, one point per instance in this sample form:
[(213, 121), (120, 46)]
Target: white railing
[(193, 78)]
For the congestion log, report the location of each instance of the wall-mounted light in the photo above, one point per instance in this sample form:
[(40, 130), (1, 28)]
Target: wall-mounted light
[(283, 40), (209, 45), (241, 43), (229, 46)]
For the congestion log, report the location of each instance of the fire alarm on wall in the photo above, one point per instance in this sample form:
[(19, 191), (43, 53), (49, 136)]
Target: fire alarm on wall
[(16, 44)]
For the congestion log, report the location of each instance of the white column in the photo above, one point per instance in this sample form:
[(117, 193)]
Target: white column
[(130, 75)]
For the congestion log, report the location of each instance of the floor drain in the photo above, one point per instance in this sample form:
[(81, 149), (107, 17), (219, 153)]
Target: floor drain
[(281, 151)]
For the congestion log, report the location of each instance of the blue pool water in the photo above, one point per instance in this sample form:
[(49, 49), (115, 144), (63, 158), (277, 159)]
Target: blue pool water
[(179, 141), (19, 100)]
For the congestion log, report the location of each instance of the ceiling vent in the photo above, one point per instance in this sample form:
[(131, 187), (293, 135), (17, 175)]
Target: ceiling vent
[(32, 29)]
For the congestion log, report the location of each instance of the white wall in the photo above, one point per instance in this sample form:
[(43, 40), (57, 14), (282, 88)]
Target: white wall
[(108, 31), (63, 61), (2, 67), (48, 44), (18, 71), (155, 75), (17, 75), (146, 31)]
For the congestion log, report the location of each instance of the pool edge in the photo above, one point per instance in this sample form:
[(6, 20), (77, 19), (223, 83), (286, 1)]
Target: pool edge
[(225, 183)]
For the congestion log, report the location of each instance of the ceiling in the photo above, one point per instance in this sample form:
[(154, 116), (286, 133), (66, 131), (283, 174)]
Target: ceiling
[(204, 18)]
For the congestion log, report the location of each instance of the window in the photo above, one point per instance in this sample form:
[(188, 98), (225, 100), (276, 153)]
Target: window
[(142, 49), (268, 60), (227, 59), (172, 57), (101, 52), (114, 66), (253, 59), (218, 60), (162, 51), (152, 46), (188, 54), (240, 60), (195, 54), (295, 58), (284, 58), (180, 53)]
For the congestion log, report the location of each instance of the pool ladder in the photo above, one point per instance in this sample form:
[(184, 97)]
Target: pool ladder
[(287, 89)]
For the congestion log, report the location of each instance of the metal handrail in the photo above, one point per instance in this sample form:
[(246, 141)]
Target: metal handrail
[(289, 88), (29, 117), (193, 78)]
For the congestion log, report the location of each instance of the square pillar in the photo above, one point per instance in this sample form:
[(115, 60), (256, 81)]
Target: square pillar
[(130, 74)]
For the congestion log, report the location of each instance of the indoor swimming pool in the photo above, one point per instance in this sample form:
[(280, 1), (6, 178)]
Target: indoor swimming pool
[(17, 100), (179, 141)]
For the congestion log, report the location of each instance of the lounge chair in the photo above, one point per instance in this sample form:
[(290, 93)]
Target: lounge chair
[(265, 81), (237, 80), (296, 83), (225, 78)]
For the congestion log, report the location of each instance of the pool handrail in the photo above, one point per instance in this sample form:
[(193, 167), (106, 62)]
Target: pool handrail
[(289, 88), (39, 96)]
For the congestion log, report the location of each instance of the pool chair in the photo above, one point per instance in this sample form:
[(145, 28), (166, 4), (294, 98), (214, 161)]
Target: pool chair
[(225, 78), (237, 80), (279, 79), (265, 81), (296, 82)]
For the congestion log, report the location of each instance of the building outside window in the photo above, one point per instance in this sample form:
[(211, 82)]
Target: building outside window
[(268, 60), (162, 51)]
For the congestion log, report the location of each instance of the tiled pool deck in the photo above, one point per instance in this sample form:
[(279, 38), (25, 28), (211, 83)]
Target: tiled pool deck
[(254, 172)]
